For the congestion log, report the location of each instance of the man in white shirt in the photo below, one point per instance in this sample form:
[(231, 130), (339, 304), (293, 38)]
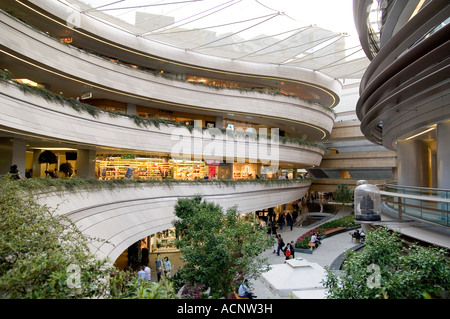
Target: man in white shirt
[(314, 240), (148, 275)]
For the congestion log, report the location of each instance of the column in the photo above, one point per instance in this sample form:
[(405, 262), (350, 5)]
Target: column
[(13, 151), (37, 168), (86, 163), (414, 163), (443, 154), (219, 122), (131, 109)]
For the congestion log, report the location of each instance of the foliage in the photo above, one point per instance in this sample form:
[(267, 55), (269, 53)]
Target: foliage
[(41, 184), (405, 272), (194, 291), (44, 255), (218, 247), (47, 157), (66, 168), (303, 241), (346, 221), (343, 194)]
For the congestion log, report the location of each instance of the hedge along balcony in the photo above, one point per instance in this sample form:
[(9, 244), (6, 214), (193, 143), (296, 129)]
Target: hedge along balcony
[(46, 114)]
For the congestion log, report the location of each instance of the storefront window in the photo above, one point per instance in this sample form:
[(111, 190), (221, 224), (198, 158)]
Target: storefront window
[(132, 166), (246, 171), (163, 241)]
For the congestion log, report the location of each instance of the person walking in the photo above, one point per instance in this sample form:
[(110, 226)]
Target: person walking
[(167, 267), (158, 264), (269, 230), (280, 244), (281, 221), (274, 229), (289, 220), (148, 275), (288, 251)]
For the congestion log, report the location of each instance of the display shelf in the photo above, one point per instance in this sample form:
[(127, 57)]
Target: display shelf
[(150, 168), (117, 168), (189, 170)]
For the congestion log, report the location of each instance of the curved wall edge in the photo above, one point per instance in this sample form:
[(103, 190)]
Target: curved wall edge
[(122, 216)]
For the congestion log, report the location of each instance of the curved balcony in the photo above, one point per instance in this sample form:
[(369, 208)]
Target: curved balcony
[(32, 117), (406, 87), (98, 35), (125, 214), (72, 68)]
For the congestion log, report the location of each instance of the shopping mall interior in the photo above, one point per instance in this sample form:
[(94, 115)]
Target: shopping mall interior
[(198, 94)]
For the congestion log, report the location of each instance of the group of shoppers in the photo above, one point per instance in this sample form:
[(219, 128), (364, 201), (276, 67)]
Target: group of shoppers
[(287, 249), (163, 268), (274, 222)]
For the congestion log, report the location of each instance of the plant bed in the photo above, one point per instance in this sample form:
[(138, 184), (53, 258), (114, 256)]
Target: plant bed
[(327, 229)]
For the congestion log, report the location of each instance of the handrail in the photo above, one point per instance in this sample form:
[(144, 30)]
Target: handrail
[(426, 208), (409, 196), (417, 187)]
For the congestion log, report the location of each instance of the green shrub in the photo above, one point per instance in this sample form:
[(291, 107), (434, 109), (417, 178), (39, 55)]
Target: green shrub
[(43, 255), (387, 268)]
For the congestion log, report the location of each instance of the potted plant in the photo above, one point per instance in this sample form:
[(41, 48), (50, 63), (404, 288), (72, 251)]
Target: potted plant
[(66, 168), (47, 157)]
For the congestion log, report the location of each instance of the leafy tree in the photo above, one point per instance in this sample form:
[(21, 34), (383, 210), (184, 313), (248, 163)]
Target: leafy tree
[(219, 248), (343, 194), (44, 255), (386, 268)]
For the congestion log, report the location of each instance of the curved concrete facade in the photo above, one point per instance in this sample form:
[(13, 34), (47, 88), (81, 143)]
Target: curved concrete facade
[(119, 41), (124, 215), (406, 87), (39, 118), (405, 91), (112, 79)]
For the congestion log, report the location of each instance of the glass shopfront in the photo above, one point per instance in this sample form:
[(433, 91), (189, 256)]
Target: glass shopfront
[(131, 166), (140, 167)]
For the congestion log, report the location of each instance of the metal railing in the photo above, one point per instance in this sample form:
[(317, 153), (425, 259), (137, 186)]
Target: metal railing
[(431, 205)]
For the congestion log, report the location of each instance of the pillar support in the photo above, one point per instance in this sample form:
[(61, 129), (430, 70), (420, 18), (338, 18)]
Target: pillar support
[(414, 163), (13, 151), (443, 154), (86, 163)]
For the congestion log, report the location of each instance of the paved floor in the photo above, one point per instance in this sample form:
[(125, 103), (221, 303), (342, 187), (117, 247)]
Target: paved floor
[(328, 251), (334, 246)]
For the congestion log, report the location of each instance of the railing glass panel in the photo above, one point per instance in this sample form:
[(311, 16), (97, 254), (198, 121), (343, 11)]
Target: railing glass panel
[(429, 204)]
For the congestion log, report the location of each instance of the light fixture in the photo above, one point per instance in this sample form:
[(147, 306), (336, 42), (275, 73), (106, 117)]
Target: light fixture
[(432, 127), (28, 82), (418, 7), (66, 40)]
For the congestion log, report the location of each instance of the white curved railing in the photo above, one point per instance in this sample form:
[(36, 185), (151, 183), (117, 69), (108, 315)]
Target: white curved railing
[(86, 69), (119, 39), (40, 118), (125, 214)]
